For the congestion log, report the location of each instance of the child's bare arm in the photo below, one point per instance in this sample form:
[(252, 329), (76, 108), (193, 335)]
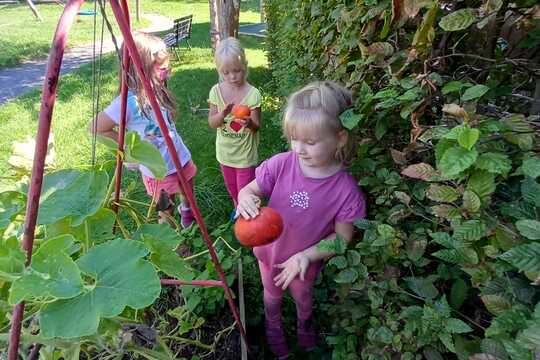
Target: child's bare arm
[(104, 126), (249, 200), (216, 117)]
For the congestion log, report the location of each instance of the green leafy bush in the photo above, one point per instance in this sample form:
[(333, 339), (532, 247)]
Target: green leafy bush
[(449, 260)]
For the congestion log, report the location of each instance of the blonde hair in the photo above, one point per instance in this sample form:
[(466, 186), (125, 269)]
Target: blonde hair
[(230, 52), (317, 107), (151, 49)]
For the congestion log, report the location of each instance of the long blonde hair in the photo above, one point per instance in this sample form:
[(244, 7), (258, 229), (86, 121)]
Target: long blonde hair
[(151, 49), (317, 106), (230, 52)]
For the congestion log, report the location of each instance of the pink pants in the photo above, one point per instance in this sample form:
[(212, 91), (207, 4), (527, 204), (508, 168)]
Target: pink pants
[(301, 291), (236, 179)]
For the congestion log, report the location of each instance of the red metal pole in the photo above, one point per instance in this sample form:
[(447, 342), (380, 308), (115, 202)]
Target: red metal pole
[(122, 125), (130, 44), (48, 98), (194, 282)]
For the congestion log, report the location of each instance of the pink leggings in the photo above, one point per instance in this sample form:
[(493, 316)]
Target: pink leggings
[(301, 291), (236, 179)]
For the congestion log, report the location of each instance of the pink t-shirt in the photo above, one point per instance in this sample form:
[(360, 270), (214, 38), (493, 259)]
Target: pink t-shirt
[(310, 207)]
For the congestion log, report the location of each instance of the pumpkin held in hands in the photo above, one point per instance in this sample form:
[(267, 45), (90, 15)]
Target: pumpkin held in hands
[(241, 111), (262, 230)]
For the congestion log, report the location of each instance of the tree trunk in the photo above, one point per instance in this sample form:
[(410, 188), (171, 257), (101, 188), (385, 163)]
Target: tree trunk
[(34, 10), (224, 20)]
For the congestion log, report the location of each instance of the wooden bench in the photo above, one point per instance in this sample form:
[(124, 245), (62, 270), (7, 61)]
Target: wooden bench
[(181, 31)]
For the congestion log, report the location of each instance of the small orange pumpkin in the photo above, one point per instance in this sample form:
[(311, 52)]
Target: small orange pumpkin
[(241, 111), (262, 230)]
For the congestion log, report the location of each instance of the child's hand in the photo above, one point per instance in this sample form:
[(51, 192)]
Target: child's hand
[(246, 122), (292, 267), (248, 206), (227, 110)]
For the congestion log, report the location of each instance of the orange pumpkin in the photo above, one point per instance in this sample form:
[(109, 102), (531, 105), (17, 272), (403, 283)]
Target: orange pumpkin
[(262, 230), (241, 111)]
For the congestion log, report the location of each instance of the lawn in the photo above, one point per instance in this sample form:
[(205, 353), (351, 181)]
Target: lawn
[(25, 38), (191, 80)]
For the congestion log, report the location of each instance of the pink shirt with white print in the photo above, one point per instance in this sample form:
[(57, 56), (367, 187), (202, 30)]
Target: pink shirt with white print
[(309, 207)]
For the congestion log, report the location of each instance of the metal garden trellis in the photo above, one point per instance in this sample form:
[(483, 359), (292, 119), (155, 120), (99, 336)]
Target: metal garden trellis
[(48, 97)]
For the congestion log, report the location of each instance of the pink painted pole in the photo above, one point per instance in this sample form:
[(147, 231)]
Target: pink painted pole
[(48, 98), (122, 125), (128, 41), (194, 282)]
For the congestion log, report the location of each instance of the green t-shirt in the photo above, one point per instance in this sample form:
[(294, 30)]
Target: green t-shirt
[(237, 149)]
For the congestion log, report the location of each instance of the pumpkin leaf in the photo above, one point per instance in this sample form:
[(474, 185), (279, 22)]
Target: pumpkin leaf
[(121, 278), (73, 194), (52, 273)]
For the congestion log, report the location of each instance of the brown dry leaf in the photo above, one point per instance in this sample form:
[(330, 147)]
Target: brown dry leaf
[(420, 171), (416, 130), (456, 110), (383, 49), (399, 157), (397, 12)]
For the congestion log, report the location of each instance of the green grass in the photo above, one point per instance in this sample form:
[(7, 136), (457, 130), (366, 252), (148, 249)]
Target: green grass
[(24, 38), (191, 80)]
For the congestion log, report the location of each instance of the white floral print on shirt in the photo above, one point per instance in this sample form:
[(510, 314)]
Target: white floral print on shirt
[(300, 199)]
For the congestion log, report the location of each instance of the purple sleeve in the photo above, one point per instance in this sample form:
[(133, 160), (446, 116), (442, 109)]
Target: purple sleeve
[(354, 207), (113, 110), (266, 175)]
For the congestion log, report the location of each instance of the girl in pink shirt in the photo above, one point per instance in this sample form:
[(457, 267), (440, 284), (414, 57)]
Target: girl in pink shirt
[(317, 199)]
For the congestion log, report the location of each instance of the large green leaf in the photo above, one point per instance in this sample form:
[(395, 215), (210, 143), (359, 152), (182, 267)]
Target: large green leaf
[(455, 160), (52, 273), (530, 190), (11, 204), (531, 167), (458, 293), (139, 151), (474, 92), (95, 229), (162, 240), (458, 20), (529, 228), (469, 231), (122, 278), (482, 184), (423, 287), (495, 304), (12, 259), (468, 137), (142, 152), (524, 257), (471, 201), (456, 326), (442, 193), (349, 119), (494, 163), (71, 193)]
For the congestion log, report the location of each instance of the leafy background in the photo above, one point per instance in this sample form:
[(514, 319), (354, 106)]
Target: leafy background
[(448, 264)]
